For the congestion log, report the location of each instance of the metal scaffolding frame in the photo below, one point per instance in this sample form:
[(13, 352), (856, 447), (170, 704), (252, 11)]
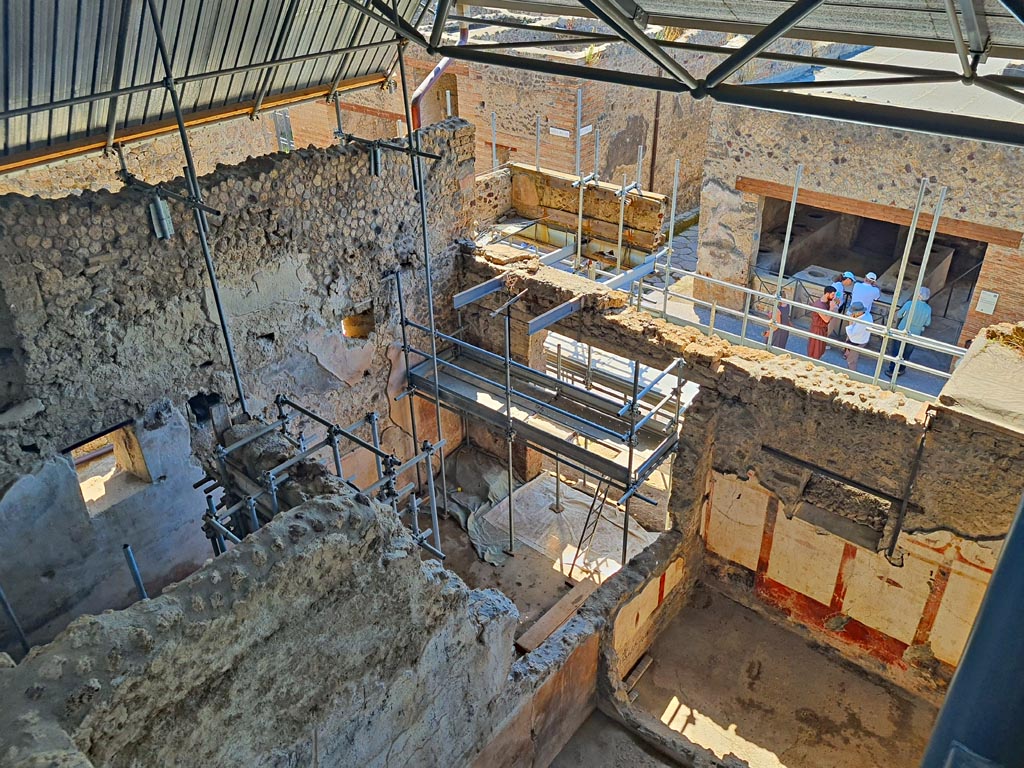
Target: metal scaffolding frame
[(249, 502)]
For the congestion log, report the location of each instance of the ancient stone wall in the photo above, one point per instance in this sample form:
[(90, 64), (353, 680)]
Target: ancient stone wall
[(864, 163), (837, 458), (493, 196), (107, 320)]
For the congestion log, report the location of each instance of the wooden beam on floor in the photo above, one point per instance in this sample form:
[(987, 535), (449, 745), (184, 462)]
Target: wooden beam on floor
[(558, 614)]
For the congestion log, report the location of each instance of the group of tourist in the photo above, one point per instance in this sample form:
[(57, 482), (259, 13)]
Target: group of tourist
[(846, 296)]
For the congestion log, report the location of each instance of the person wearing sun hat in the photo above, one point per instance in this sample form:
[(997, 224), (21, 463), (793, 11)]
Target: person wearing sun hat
[(914, 323), (843, 284)]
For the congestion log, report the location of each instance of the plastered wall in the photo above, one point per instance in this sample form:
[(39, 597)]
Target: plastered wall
[(763, 424)]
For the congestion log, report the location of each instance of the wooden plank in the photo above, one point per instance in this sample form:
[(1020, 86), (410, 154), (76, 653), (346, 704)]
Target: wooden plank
[(987, 234), (149, 130), (559, 613)]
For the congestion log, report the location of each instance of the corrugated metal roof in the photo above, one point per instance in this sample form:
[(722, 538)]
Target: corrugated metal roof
[(56, 51)]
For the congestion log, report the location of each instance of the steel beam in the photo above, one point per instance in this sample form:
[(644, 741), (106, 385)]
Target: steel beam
[(867, 82), (995, 87), (975, 25), (268, 76), (552, 316), (544, 43), (402, 28), (883, 115), (124, 24), (625, 26), (440, 18), (631, 276), (478, 292), (785, 21), (653, 82)]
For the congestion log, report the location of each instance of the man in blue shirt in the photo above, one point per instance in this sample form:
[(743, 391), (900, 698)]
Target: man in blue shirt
[(914, 323)]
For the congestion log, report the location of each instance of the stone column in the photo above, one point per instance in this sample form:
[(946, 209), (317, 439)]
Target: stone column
[(730, 232)]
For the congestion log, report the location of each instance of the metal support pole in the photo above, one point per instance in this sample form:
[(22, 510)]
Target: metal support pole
[(633, 412), (374, 418), (254, 520), (597, 152), (579, 229), (14, 621), (332, 436), (579, 127), (557, 506), (134, 568), (936, 213), (588, 382), (509, 431), (417, 163), (785, 246), (405, 355), (494, 141), (622, 219), (537, 152), (899, 278), (339, 134), (432, 496), (746, 316), (198, 213)]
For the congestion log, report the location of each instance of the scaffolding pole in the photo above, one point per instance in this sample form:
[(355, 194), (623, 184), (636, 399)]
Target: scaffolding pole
[(785, 256), (198, 212), (510, 433), (633, 412), (899, 277), (420, 183)]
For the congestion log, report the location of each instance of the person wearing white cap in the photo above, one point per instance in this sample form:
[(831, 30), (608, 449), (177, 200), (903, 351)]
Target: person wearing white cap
[(857, 334), (867, 292), (912, 323)]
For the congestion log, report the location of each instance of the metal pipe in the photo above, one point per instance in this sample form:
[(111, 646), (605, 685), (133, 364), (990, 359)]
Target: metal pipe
[(579, 228), (613, 16), (771, 32), (282, 38), (14, 621), (629, 461), (403, 321), (786, 242), (651, 385), (622, 219), (199, 214), (129, 556), (494, 141), (936, 214), (252, 436), (431, 495), (557, 507), (958, 40), (428, 277), (650, 414), (579, 127), (223, 530), (537, 153), (509, 431), (374, 418), (908, 246)]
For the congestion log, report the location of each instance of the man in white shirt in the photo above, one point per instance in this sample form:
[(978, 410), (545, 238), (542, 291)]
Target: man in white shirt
[(866, 292), (843, 284), (857, 333)]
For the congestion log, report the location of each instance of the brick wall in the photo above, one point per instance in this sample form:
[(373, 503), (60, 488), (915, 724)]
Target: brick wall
[(1002, 272)]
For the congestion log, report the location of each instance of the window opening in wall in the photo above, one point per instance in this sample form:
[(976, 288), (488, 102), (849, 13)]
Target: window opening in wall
[(359, 325), (110, 468), (283, 126), (202, 405)]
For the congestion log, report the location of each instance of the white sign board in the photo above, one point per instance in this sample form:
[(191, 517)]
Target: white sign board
[(586, 129), (559, 132), (987, 302)]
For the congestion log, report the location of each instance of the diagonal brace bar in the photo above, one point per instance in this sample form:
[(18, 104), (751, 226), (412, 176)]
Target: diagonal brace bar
[(776, 29)]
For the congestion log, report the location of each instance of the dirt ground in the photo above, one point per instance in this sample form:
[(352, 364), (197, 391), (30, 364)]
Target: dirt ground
[(602, 742), (734, 682)]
